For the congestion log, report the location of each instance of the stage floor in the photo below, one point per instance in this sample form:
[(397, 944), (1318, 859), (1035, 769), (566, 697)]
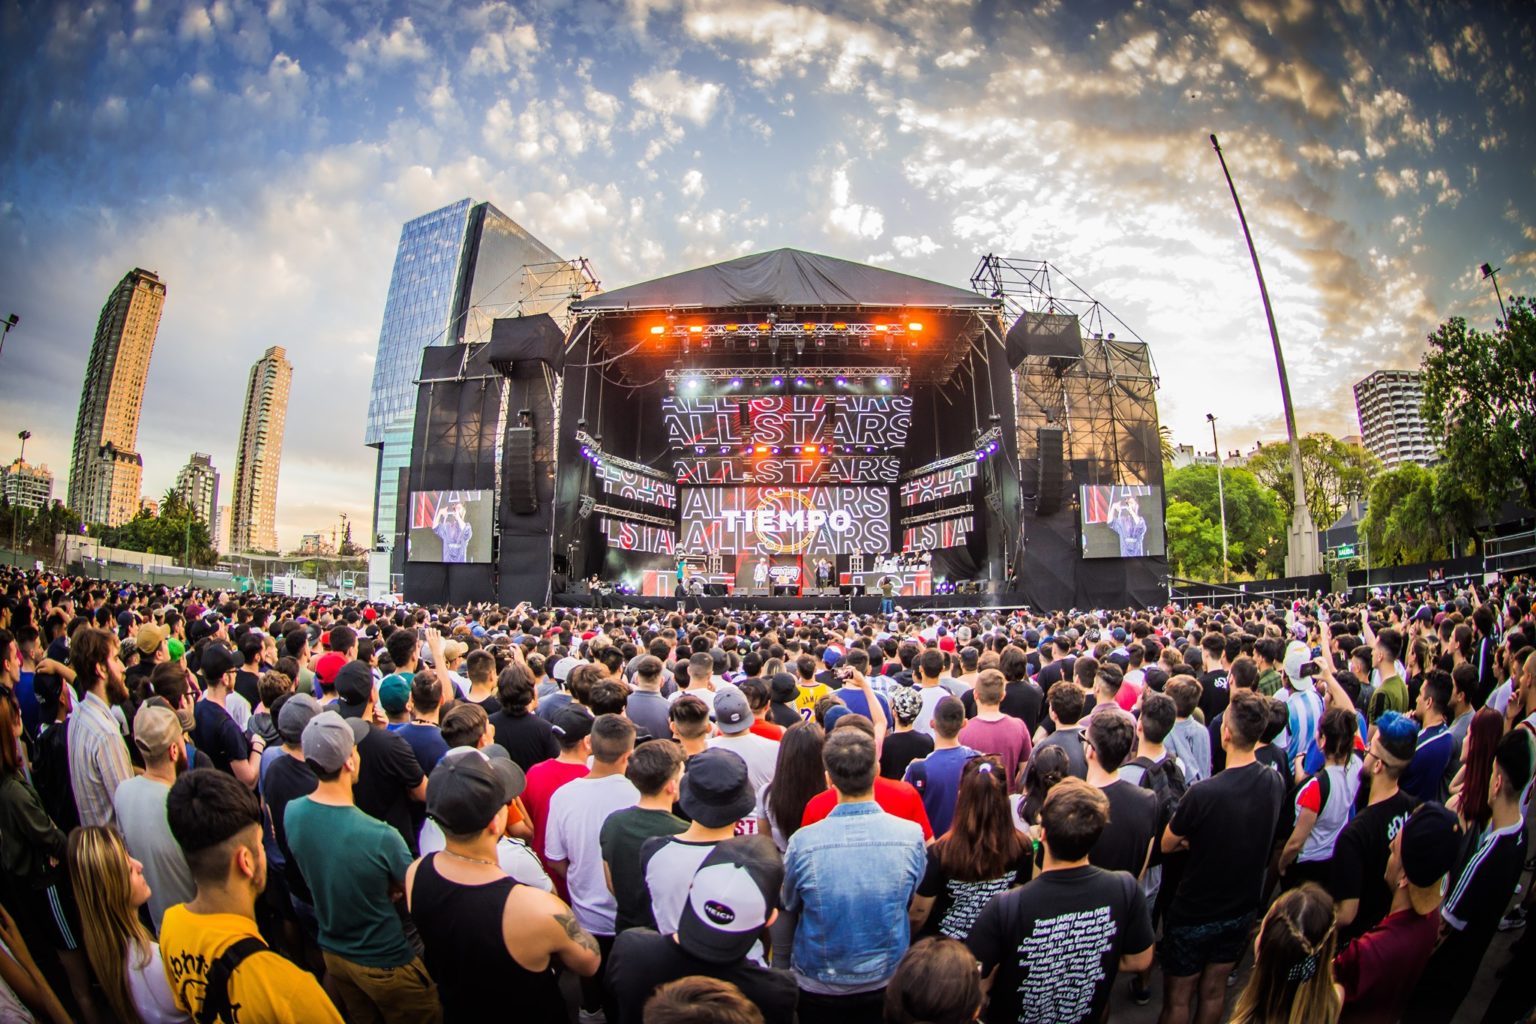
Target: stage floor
[(1006, 600)]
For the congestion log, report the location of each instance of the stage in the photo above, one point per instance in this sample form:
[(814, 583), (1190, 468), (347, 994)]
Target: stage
[(816, 605)]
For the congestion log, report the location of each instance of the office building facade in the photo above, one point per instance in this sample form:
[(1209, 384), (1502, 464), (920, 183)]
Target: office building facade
[(253, 506), (198, 485), (26, 486), (456, 270), (1391, 425), (105, 470)]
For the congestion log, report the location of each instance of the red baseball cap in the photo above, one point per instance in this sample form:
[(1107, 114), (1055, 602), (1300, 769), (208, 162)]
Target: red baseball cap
[(328, 665)]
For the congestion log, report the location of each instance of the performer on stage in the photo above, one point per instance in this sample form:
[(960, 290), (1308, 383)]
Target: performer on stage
[(823, 574), (760, 575), (1126, 520)]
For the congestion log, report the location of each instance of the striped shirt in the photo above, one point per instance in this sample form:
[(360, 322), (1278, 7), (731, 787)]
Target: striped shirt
[(1304, 711), (98, 760), (1486, 883)]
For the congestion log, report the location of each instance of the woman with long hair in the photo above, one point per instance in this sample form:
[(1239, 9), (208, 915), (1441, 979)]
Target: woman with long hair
[(1292, 977), (32, 850), (1049, 765), (797, 777), (110, 888), (982, 855), (1469, 790), (1323, 803)]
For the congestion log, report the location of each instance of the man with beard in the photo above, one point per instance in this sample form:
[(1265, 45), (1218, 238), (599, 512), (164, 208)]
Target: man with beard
[(98, 755), (1360, 854)]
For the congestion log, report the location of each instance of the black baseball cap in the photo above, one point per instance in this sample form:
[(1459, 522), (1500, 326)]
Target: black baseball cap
[(218, 660), (571, 724), (716, 789), (469, 786), (734, 892), (354, 688)]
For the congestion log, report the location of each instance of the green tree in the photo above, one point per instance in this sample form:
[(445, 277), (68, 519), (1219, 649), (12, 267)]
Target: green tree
[(1333, 474), (1480, 403), (175, 530), (1417, 515), (1194, 542), (1255, 526)]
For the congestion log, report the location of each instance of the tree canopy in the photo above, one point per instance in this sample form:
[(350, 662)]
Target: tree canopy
[(1417, 514), (176, 529), (1256, 526), (1480, 403), (1333, 474)]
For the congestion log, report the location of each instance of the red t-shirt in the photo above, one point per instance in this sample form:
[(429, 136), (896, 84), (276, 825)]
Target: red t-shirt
[(543, 779), (1380, 969), (762, 727), (894, 797)]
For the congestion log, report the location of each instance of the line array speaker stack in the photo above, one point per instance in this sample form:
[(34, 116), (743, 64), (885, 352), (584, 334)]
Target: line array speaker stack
[(1048, 490), (517, 472)]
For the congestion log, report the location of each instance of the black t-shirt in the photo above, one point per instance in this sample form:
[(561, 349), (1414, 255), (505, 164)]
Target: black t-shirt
[(214, 733), (1050, 938), (620, 840), (389, 772), (1229, 820), (643, 960), (901, 749), (1123, 844), (957, 904), (490, 704), (1482, 887), (1360, 861), (248, 685), (528, 738), (286, 780), (1054, 673), (783, 714), (1214, 696)]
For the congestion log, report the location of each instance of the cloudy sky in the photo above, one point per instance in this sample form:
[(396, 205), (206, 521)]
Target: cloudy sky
[(261, 155)]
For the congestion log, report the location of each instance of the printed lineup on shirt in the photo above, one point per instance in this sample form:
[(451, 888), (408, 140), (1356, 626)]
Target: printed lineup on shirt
[(966, 902), (1070, 946)]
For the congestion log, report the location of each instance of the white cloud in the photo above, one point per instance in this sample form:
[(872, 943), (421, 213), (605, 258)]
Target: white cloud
[(908, 247), (502, 41), (693, 183), (401, 45), (674, 95), (195, 24), (849, 218)]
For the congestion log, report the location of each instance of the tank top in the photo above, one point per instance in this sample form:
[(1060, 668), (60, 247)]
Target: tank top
[(460, 927)]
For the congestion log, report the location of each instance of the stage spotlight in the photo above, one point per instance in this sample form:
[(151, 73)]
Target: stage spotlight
[(695, 329), (839, 327), (881, 328), (658, 329), (884, 382), (725, 449), (823, 450), (733, 327), (698, 449), (691, 385), (799, 382), (735, 382), (778, 382), (752, 343), (869, 449), (842, 382), (915, 327), (775, 450), (762, 449)]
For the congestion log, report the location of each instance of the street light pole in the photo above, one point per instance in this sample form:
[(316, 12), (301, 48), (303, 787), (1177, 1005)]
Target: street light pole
[(1302, 557), (5, 328), (1492, 274), (1221, 497)]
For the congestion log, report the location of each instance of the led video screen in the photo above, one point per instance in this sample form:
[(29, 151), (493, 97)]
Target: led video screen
[(786, 520), (450, 526), (1122, 520), (863, 421)]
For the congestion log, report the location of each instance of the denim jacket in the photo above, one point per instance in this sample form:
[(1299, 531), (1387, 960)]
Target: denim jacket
[(851, 877)]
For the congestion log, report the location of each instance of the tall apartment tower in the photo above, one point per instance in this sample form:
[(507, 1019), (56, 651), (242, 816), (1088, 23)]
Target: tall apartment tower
[(456, 270), (26, 485), (253, 506), (198, 485), (105, 470), (1391, 426)]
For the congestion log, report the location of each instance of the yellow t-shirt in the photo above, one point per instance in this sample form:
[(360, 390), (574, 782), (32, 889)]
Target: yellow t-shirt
[(805, 703), (266, 988)]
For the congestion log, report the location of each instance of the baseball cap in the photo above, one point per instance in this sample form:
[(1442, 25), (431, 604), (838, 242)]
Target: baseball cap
[(297, 712), (563, 668), (733, 714), (734, 891), (217, 660), (716, 790), (327, 665), (454, 649), (469, 786), (354, 688), (1296, 655), (782, 688), (149, 638), (177, 648), (571, 724), (329, 739), (906, 703), (155, 730), (832, 657), (394, 693), (1431, 841), (946, 643)]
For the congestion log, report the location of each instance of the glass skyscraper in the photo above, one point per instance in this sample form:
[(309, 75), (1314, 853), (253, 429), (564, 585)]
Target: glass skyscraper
[(456, 270)]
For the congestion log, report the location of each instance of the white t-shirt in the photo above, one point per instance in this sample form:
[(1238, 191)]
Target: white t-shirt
[(760, 753), (516, 859), (576, 815), (150, 991), (931, 697)]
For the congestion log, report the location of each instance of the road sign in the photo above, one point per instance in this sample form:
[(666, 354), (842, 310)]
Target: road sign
[(348, 583), (1345, 551)]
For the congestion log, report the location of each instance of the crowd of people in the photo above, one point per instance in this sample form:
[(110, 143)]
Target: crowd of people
[(253, 808)]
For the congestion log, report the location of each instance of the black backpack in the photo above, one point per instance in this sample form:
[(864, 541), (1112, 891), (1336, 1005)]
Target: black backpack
[(1165, 779), (216, 1006)]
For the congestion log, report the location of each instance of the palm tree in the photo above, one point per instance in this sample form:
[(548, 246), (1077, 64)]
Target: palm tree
[(1165, 442)]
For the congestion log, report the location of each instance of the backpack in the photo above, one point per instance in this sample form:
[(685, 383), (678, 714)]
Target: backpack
[(1165, 780), (216, 1006)]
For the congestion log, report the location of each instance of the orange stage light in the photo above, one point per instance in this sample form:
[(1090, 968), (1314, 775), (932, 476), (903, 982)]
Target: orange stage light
[(839, 327), (914, 327), (881, 328), (658, 329), (695, 329), (764, 328), (733, 327), (808, 328)]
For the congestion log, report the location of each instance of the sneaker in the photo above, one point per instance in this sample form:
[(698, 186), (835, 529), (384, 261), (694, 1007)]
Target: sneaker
[(1140, 994), (1513, 920), (591, 1017)]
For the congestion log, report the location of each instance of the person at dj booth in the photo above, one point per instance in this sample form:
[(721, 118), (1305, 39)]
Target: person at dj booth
[(823, 573), (595, 588)]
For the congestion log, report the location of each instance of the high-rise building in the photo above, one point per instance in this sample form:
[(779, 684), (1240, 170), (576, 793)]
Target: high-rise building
[(1391, 425), (221, 537), (105, 470), (26, 486), (456, 270), (253, 515), (198, 485)]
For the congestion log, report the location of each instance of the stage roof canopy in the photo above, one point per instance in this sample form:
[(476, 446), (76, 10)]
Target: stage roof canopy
[(785, 278)]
